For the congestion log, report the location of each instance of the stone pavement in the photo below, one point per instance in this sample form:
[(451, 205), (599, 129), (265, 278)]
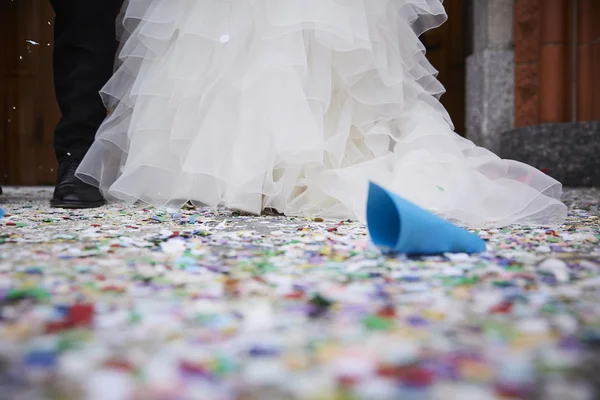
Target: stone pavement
[(136, 303)]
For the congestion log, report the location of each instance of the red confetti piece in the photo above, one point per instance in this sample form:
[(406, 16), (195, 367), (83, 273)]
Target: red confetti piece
[(56, 326), (120, 365), (502, 308), (387, 312), (81, 315)]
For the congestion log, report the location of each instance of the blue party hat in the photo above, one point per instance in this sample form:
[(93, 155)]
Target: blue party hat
[(399, 226)]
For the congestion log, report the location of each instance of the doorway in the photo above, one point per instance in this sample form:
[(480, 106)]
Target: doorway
[(447, 50)]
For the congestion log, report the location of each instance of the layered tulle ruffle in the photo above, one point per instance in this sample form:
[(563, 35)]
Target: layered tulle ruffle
[(296, 105)]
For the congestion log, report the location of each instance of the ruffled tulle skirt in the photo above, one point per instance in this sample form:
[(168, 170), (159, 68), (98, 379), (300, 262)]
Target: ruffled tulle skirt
[(295, 105)]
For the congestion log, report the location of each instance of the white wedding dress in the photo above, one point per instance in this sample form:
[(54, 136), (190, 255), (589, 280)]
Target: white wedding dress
[(295, 105)]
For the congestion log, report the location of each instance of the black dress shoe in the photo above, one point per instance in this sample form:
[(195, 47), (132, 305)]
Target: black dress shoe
[(71, 192)]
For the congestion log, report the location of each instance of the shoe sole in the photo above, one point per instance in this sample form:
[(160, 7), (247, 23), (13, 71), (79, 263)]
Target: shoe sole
[(76, 204)]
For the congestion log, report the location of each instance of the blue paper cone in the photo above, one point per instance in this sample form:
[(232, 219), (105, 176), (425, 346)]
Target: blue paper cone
[(400, 226)]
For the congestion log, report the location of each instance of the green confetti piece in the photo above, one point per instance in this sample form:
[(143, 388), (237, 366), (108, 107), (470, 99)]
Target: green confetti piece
[(375, 323), (70, 340), (224, 366), (135, 317), (359, 276), (265, 267), (38, 293), (549, 308)]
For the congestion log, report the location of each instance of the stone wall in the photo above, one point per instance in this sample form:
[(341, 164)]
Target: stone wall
[(490, 72)]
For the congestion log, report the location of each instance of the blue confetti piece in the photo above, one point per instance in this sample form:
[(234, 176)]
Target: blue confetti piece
[(41, 359)]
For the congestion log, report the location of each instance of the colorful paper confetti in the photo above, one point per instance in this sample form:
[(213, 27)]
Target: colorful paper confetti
[(138, 303)]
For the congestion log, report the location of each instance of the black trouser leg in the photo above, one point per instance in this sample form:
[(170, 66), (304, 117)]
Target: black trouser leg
[(84, 52)]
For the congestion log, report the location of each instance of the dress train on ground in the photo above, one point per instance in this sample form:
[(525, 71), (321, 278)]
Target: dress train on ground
[(296, 105)]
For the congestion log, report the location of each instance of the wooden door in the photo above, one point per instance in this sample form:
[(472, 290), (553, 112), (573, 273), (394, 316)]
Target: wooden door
[(28, 110), (447, 51)]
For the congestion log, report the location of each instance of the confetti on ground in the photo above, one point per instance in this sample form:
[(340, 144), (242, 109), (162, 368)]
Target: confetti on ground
[(135, 303)]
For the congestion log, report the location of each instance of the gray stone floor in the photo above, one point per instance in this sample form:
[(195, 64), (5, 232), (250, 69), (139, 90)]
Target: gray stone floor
[(137, 303)]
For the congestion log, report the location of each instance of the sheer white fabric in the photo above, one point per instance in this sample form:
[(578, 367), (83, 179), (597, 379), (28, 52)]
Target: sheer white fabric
[(295, 105)]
